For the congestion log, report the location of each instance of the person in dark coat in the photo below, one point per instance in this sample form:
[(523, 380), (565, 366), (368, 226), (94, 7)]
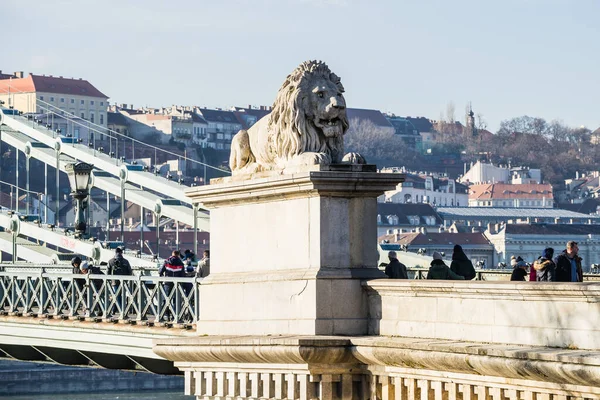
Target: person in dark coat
[(395, 269), (545, 269), (461, 265), (439, 269), (520, 271), (568, 264), (173, 267)]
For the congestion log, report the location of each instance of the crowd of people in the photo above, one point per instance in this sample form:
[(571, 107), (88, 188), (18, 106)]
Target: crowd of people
[(566, 267)]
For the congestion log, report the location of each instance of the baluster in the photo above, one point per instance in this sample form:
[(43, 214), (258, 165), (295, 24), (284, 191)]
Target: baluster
[(139, 284), (233, 382), (13, 294), (255, 384), (42, 309), (267, 385), (177, 287), (243, 379), (220, 380), (292, 387)]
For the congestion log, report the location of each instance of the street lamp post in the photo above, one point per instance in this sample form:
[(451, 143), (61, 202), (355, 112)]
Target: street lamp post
[(79, 179)]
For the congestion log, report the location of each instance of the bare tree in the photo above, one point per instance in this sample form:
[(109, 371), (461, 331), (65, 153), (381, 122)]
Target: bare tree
[(481, 123)]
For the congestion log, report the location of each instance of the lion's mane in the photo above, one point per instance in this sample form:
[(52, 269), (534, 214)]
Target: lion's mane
[(294, 132)]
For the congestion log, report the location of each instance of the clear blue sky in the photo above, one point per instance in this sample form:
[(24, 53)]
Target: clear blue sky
[(509, 57)]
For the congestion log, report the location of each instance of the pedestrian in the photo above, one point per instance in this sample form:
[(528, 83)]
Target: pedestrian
[(190, 261), (568, 264), (461, 265), (173, 268), (203, 268), (439, 269), (544, 267), (395, 269), (119, 266), (519, 272), (79, 266)]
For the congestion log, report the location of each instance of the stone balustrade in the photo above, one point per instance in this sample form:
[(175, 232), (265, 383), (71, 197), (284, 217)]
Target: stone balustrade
[(565, 315)]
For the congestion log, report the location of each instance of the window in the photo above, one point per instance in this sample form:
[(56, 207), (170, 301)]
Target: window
[(91, 102), (101, 103), (101, 119), (72, 101), (82, 115), (92, 117), (82, 101), (219, 136), (42, 98), (220, 146), (62, 99), (51, 98)]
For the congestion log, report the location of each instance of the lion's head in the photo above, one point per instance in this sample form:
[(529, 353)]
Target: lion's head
[(309, 113)]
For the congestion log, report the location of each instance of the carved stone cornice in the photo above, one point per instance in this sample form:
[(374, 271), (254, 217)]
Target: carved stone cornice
[(331, 183), (257, 350)]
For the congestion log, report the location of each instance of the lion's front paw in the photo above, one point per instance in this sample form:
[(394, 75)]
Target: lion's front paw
[(312, 159), (353, 158)]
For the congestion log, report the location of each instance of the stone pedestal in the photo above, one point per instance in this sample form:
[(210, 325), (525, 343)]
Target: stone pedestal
[(288, 252)]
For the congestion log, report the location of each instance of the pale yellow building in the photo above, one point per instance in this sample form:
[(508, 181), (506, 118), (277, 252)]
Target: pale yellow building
[(40, 93)]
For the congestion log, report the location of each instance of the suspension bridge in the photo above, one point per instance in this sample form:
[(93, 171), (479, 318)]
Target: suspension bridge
[(57, 138)]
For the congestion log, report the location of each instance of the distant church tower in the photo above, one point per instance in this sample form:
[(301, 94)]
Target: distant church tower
[(471, 128)]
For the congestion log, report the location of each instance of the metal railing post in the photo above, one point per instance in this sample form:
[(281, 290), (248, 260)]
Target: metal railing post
[(139, 282)]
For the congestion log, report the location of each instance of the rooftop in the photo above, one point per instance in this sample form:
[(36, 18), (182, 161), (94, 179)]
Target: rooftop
[(222, 116), (374, 116), (403, 210), (508, 213), (552, 229), (499, 191), (436, 238), (50, 84)]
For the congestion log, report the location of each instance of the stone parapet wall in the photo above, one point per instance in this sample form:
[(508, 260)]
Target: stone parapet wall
[(359, 368), (565, 315)]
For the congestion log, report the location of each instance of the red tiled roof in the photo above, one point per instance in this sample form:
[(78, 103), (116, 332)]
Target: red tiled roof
[(50, 84), (501, 191)]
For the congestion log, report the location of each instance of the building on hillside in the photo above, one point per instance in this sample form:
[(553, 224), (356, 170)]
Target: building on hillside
[(595, 137), (481, 172), (425, 129), (405, 130), (117, 122), (222, 125), (481, 216), (426, 188), (365, 120), (249, 116), (508, 195), (587, 206), (475, 245), (528, 241), (38, 93), (405, 216), (579, 189)]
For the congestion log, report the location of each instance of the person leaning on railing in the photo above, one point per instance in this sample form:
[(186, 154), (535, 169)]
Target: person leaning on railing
[(118, 265), (173, 267)]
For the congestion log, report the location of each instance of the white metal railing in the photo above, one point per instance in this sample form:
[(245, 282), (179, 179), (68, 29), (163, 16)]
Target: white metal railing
[(136, 299)]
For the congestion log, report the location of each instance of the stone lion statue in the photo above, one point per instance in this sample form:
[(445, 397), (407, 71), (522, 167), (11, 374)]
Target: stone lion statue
[(306, 126)]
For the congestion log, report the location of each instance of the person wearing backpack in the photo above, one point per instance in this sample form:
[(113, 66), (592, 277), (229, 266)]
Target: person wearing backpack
[(118, 265)]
